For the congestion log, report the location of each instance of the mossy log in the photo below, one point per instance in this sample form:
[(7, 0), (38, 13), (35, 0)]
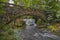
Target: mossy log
[(17, 11)]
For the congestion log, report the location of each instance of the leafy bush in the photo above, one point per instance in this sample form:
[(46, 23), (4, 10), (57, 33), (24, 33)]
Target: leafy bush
[(6, 32)]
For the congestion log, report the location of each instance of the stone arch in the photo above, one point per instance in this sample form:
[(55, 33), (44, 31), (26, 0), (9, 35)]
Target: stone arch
[(17, 11)]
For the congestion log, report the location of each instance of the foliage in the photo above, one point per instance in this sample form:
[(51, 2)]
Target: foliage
[(51, 28), (2, 10), (6, 32), (50, 7)]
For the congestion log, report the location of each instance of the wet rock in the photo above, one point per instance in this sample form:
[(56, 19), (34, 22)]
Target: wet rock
[(35, 34)]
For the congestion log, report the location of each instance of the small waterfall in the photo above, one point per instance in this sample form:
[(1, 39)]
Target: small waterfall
[(30, 23)]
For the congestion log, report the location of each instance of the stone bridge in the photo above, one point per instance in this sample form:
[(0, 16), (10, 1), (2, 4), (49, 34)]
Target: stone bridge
[(17, 11)]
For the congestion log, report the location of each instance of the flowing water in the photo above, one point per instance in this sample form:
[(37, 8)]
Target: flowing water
[(32, 33)]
